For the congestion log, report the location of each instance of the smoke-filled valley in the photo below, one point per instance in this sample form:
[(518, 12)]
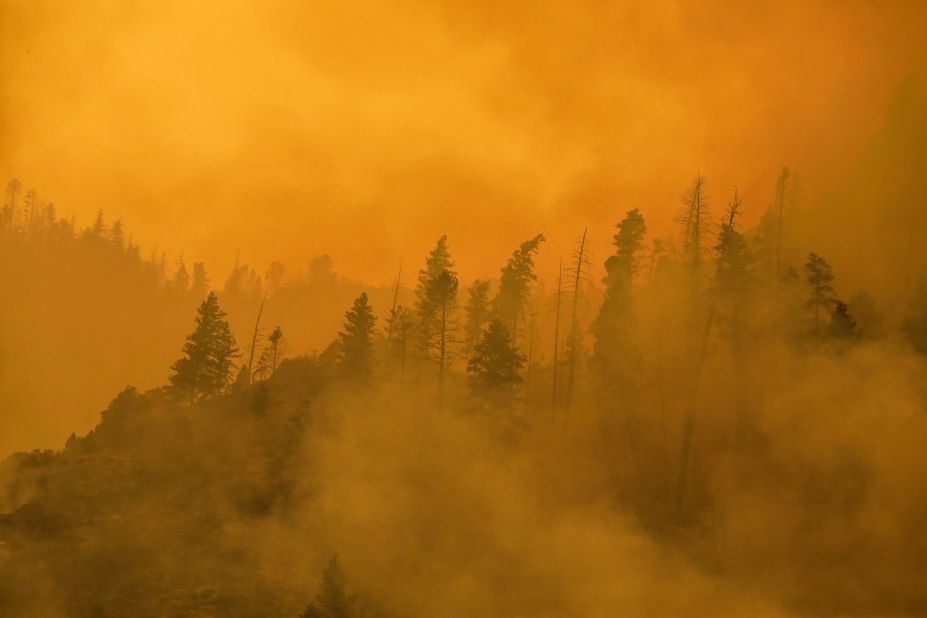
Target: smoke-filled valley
[(715, 405)]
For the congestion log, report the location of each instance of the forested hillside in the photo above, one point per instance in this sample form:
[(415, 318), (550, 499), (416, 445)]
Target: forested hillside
[(724, 420)]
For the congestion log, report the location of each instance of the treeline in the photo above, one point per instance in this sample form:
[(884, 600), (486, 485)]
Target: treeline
[(714, 290), (88, 310)]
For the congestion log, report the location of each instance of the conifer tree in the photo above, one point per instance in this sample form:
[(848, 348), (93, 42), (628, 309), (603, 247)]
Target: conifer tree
[(117, 235), (819, 278), (494, 369), (99, 226), (399, 333), (332, 599), (514, 284), (181, 281), (206, 368), (842, 325), (477, 311), (614, 354), (436, 262), (437, 305), (356, 339)]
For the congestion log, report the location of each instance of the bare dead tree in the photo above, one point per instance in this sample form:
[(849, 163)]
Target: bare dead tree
[(579, 275), (392, 309), (694, 221), (782, 188), (254, 338), (556, 357), (688, 427)]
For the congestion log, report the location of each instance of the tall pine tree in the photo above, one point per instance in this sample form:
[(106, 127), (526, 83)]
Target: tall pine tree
[(614, 355), (514, 284), (355, 340), (209, 353), (494, 370)]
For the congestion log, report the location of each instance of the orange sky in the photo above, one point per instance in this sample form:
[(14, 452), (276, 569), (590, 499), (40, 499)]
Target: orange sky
[(284, 129)]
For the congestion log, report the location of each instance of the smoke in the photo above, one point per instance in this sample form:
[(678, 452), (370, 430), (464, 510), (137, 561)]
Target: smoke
[(368, 130)]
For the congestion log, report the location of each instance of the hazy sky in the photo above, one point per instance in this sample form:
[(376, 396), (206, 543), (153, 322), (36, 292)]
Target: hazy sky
[(285, 129)]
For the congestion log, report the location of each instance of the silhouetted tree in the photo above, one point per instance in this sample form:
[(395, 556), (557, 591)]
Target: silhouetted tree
[(477, 311), (397, 287), (437, 305), (842, 325), (117, 235), (578, 274), (332, 599), (613, 353), (555, 360), (694, 220), (355, 340), (494, 369), (819, 278), (209, 352), (514, 284), (253, 347), (181, 281), (399, 333)]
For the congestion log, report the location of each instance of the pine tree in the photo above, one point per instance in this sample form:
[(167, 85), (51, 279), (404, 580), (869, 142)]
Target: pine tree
[(477, 311), (842, 325), (399, 333), (117, 235), (819, 278), (355, 340), (614, 354), (494, 369), (206, 368), (436, 262), (181, 281), (332, 599), (514, 284), (436, 295), (99, 226)]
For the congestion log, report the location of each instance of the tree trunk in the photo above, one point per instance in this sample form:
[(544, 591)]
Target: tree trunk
[(688, 427), (556, 359), (257, 325), (574, 322)]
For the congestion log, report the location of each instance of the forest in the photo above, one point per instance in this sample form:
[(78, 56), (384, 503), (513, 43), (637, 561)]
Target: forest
[(723, 420)]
